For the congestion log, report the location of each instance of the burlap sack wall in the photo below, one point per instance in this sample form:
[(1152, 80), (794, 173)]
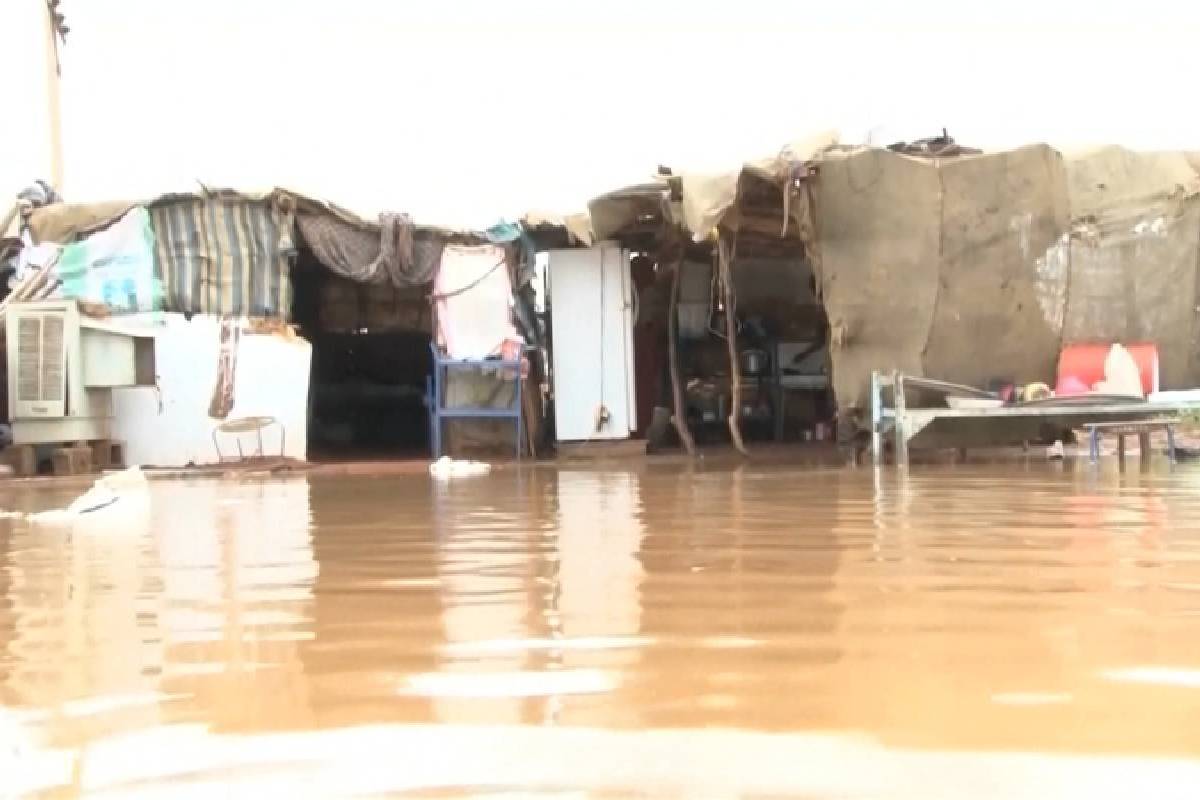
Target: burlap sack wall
[(1133, 258), (985, 266), (878, 234), (999, 305)]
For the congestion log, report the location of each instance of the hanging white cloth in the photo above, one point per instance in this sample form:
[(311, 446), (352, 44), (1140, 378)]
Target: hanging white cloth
[(474, 302)]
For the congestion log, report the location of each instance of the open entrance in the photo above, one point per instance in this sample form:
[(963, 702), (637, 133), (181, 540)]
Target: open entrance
[(371, 358), (780, 344)]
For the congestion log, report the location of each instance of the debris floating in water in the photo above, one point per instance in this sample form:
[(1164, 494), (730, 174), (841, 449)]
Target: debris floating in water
[(106, 492), (446, 467)]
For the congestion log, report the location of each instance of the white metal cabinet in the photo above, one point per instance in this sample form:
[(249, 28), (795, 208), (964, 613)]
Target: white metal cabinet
[(591, 301)]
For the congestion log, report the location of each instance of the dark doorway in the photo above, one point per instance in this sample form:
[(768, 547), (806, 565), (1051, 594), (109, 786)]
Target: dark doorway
[(371, 359)]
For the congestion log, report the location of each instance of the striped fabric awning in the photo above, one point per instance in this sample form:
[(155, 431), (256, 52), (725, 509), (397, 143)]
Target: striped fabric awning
[(225, 254)]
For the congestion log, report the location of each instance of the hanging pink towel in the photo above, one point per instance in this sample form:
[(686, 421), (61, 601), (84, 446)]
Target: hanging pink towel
[(474, 299)]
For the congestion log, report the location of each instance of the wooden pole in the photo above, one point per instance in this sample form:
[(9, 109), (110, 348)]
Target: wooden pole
[(901, 421), (876, 418), (53, 100), (725, 253), (679, 417), (529, 407)]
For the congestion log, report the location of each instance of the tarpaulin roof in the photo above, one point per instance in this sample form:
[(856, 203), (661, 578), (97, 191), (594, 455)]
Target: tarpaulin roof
[(629, 209), (705, 200), (577, 226), (708, 198), (63, 222), (224, 254)]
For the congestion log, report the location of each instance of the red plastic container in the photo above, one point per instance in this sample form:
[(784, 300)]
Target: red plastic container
[(1085, 363)]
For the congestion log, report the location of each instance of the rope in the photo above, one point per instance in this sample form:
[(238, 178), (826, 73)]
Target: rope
[(598, 418), (433, 298)]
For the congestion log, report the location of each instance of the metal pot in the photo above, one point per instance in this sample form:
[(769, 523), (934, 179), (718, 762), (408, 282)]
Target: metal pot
[(753, 362)]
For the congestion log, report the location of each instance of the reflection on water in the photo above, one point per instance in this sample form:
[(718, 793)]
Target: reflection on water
[(1026, 632)]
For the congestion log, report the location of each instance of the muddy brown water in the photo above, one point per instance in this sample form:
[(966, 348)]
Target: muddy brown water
[(759, 632)]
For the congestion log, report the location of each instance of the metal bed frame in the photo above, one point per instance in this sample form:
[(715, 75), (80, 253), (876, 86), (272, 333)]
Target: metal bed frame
[(929, 428)]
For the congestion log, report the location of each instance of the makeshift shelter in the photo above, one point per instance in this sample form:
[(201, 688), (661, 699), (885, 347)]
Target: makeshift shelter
[(742, 282), (220, 275), (234, 276), (941, 261), (208, 274)]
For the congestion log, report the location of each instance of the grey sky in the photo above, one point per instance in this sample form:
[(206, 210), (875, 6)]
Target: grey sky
[(463, 112)]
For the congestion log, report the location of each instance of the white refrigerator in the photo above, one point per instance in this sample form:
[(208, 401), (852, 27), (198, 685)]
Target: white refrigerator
[(591, 314)]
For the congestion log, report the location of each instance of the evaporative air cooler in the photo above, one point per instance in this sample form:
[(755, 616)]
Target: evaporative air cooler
[(62, 368)]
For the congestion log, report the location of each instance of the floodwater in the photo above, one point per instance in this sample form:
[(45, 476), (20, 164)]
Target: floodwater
[(970, 632)]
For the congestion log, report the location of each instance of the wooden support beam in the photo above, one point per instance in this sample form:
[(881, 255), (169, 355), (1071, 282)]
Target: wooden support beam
[(679, 415), (876, 419), (901, 422), (726, 249)]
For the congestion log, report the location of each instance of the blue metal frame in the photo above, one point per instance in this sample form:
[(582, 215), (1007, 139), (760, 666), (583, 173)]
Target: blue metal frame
[(1096, 431), (435, 390)]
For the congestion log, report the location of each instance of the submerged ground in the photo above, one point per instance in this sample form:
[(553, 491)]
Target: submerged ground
[(979, 631)]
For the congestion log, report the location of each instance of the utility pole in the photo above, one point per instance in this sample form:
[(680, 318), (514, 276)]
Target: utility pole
[(56, 34)]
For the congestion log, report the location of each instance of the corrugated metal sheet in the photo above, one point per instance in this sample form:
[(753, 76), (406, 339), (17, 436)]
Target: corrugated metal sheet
[(225, 255)]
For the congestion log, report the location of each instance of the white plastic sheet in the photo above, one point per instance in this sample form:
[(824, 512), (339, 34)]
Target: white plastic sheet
[(114, 266)]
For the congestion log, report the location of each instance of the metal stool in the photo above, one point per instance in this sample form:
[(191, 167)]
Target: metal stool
[(244, 425)]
